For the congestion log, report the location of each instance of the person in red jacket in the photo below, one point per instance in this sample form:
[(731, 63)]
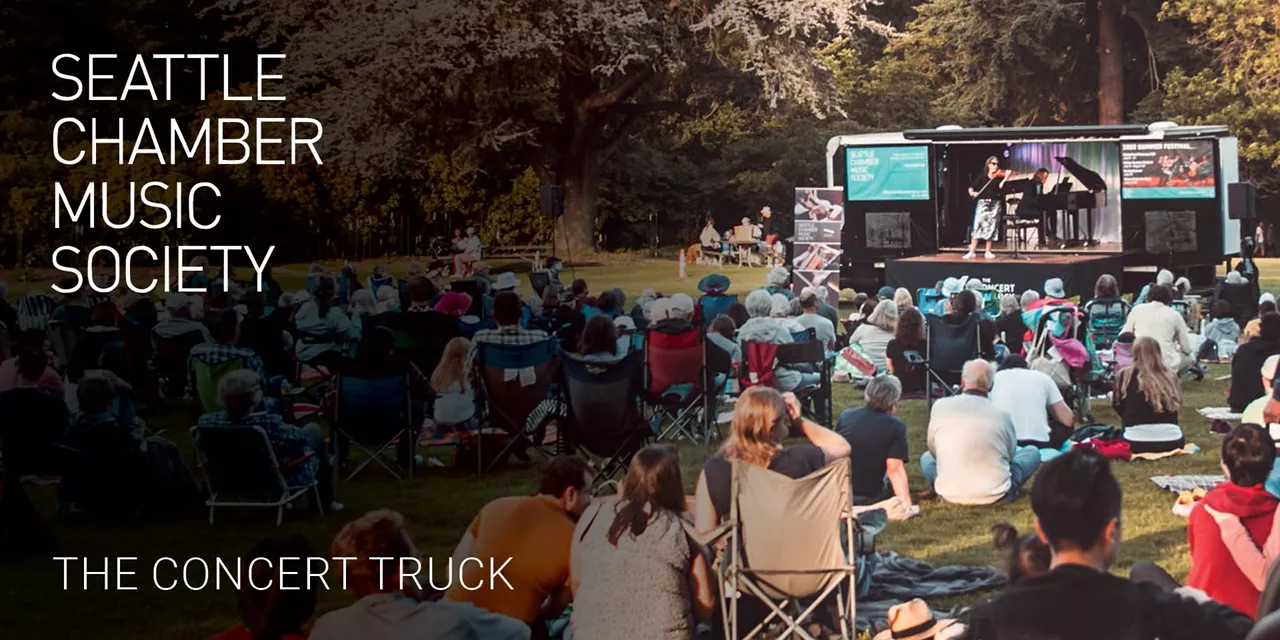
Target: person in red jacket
[(1217, 568)]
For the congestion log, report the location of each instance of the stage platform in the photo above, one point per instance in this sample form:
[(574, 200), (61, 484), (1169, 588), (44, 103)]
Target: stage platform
[(1006, 273)]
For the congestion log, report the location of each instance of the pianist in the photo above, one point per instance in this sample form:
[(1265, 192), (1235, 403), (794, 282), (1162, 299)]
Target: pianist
[(1034, 206)]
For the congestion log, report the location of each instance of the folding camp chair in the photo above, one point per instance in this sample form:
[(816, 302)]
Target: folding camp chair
[(34, 310), (713, 306), (373, 414), (205, 378), (793, 569), (602, 402), (419, 336), (931, 302), (170, 360), (539, 280), (947, 347), (810, 355), (241, 470), (1105, 318), (675, 381), (514, 380)]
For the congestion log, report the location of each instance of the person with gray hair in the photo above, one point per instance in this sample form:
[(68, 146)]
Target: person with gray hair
[(874, 334), (762, 328), (973, 455), (300, 450), (809, 318), (1010, 326), (1163, 277), (777, 281), (1029, 296), (878, 441)]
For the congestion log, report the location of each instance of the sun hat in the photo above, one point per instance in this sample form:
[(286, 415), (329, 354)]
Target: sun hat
[(952, 286), (506, 280), (714, 284), (1053, 288), (624, 323), (682, 304), (912, 620), (454, 303)]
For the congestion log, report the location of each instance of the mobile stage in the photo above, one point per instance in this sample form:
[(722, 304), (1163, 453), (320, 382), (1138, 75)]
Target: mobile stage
[(1068, 202)]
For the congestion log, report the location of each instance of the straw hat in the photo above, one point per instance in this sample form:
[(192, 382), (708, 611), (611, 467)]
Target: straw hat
[(912, 621)]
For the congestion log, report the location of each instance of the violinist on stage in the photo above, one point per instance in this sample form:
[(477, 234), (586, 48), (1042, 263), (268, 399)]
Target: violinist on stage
[(986, 212)]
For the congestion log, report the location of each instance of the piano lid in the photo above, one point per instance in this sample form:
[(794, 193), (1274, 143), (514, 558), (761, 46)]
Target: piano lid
[(1090, 180)]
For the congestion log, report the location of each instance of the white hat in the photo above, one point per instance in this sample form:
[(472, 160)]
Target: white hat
[(1164, 276), (1266, 297), (624, 323), (682, 305), (506, 280), (177, 301), (952, 286), (1269, 367), (659, 309), (766, 210), (1053, 288)]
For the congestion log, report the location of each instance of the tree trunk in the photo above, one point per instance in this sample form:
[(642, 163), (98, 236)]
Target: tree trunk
[(580, 174), (1110, 64)]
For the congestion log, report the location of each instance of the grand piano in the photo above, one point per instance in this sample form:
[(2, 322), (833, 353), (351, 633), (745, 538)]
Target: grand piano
[(1072, 203)]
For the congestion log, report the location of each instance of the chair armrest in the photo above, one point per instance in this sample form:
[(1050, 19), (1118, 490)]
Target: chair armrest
[(296, 461)]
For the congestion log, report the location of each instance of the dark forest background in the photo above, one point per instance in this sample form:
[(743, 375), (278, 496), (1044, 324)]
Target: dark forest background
[(652, 113)]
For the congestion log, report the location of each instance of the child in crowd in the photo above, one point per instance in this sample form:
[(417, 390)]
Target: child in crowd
[(455, 403)]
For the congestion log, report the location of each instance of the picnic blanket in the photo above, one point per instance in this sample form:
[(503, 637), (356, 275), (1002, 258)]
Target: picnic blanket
[(1178, 484), (896, 579)]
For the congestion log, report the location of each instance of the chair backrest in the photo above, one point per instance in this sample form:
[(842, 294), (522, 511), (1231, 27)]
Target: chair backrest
[(376, 283), (673, 358), (1269, 599), (948, 345), (1105, 318), (508, 403), (790, 560), (171, 353), (804, 336), (759, 360), (802, 352), (372, 409), (603, 400), (207, 376), (34, 310), (931, 302), (420, 336), (539, 280), (713, 306), (238, 461)]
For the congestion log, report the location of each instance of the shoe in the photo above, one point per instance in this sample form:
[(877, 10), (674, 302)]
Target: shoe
[(969, 256), (990, 256), (335, 507)]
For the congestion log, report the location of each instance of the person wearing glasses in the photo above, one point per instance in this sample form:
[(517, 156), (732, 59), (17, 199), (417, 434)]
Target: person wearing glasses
[(986, 212)]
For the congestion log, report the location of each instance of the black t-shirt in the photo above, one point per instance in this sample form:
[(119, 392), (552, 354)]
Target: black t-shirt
[(911, 374), (988, 188), (1011, 329), (1246, 382), (1134, 409), (1074, 602), (793, 462), (766, 226), (874, 437)]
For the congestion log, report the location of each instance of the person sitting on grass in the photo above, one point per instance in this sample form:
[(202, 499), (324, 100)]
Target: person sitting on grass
[(300, 450), (1076, 501), (1156, 320), (1249, 358), (1222, 330), (536, 533), (904, 355), (875, 333), (669, 585), (35, 341), (1040, 415), (281, 609), (455, 399), (1266, 304), (973, 455), (762, 418), (878, 442), (1242, 508), (1147, 398), (392, 605)]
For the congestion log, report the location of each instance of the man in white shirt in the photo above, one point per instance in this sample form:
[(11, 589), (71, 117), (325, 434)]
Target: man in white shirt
[(1031, 398), (1155, 319), (973, 455), (710, 238), (823, 330)]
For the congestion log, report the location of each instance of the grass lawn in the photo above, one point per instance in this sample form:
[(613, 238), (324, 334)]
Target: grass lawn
[(440, 503)]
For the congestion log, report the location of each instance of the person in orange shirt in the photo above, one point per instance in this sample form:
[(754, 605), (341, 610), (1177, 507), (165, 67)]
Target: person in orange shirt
[(535, 533)]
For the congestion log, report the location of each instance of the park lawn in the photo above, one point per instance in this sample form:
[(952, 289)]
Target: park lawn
[(439, 503)]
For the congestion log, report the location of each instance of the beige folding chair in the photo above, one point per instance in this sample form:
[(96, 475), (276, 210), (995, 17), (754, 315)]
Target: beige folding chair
[(785, 548)]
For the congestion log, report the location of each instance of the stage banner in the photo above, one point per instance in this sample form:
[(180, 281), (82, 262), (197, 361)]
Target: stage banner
[(887, 173), (819, 219), (1168, 170)]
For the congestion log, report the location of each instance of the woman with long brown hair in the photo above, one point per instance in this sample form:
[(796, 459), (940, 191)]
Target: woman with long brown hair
[(1147, 398), (909, 338), (634, 569), (761, 419)]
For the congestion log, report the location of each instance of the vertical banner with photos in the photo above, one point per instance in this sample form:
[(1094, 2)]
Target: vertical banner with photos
[(819, 216)]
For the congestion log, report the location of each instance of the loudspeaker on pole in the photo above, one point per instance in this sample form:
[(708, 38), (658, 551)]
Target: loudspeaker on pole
[(1242, 201)]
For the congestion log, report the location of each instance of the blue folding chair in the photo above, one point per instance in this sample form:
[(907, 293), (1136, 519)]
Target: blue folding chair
[(373, 414), (507, 404), (713, 306), (931, 302)]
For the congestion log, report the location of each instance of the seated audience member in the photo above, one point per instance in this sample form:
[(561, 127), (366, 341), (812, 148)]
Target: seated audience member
[(455, 399), (873, 335), (1222, 329), (762, 418), (1028, 298), (859, 303), (1028, 557), (783, 312), (1041, 417), (904, 355), (1248, 360), (392, 605), (1156, 320), (388, 299), (809, 319), (1009, 325), (878, 444), (183, 317), (322, 326), (363, 304), (87, 360), (669, 585), (606, 304), (226, 332), (34, 418), (963, 304), (1163, 277), (240, 394), (902, 299), (721, 334), (973, 455), (778, 280), (282, 607), (672, 315), (738, 313), (1238, 514), (422, 293), (1240, 294), (1266, 305), (599, 342), (763, 328), (536, 533), (1146, 397), (1253, 412), (1076, 501), (507, 311), (74, 309), (33, 340), (579, 291)]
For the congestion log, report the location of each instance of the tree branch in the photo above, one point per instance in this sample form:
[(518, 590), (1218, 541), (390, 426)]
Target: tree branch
[(619, 92)]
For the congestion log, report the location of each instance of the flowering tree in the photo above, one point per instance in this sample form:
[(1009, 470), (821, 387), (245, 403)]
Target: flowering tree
[(560, 83)]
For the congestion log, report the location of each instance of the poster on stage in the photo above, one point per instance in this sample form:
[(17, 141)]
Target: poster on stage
[(817, 250), (1168, 169), (887, 173)]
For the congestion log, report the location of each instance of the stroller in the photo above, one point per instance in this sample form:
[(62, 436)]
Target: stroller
[(1064, 350)]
